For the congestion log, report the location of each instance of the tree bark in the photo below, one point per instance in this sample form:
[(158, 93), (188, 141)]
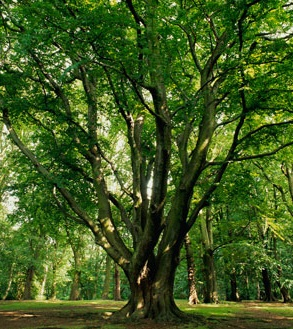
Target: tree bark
[(210, 291), (269, 297), (193, 297), (107, 280), (117, 285), (283, 289), (28, 288), (152, 289), (234, 289), (75, 291), (43, 285), (53, 292), (9, 282), (76, 280), (285, 294), (247, 292)]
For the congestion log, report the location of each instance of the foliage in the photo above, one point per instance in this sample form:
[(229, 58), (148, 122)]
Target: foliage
[(138, 116)]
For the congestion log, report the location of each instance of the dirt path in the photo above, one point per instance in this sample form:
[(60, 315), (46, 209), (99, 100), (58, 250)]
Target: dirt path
[(91, 317)]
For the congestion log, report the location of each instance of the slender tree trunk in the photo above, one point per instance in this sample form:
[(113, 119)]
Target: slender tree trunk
[(97, 269), (94, 292), (75, 286), (247, 292), (9, 282), (76, 280), (53, 292), (107, 281), (267, 286), (258, 293), (285, 294), (117, 286), (234, 289), (283, 290), (30, 275), (193, 297), (43, 286), (210, 291)]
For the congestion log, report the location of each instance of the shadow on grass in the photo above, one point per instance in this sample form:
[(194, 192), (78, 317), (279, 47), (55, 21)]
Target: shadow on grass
[(97, 315)]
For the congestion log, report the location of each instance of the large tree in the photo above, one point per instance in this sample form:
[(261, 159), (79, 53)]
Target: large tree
[(134, 110)]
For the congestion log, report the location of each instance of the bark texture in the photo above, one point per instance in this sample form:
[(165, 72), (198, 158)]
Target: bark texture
[(29, 281), (193, 297), (210, 284), (234, 289), (269, 297)]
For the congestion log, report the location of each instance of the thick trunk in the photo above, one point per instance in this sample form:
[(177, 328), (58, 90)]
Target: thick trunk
[(146, 302), (269, 297), (152, 291), (28, 288), (152, 299)]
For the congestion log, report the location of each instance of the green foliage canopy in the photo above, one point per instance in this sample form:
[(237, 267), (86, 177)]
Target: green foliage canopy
[(134, 111)]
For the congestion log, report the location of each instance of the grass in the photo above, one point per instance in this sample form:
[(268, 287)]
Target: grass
[(215, 315), (39, 305), (211, 310), (285, 310)]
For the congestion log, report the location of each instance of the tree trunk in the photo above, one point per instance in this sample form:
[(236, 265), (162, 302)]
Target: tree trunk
[(152, 289), (210, 291), (117, 286), (76, 280), (53, 292), (234, 290), (193, 297), (30, 274), (107, 281), (75, 291), (9, 282), (269, 297), (247, 288), (258, 293), (285, 294), (43, 285), (283, 290)]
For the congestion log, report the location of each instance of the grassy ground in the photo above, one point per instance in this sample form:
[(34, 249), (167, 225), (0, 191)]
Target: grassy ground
[(96, 315)]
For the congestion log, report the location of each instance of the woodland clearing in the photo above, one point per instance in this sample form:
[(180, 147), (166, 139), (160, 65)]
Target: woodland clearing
[(97, 314)]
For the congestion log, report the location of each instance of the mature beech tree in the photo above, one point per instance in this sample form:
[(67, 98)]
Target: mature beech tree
[(134, 110)]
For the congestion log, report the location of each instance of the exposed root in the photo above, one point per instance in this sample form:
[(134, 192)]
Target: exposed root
[(171, 315)]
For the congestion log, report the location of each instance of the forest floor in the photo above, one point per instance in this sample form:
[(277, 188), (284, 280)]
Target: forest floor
[(96, 315)]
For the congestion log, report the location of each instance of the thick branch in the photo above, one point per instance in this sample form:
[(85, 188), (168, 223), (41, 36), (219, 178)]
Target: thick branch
[(117, 251), (269, 125)]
